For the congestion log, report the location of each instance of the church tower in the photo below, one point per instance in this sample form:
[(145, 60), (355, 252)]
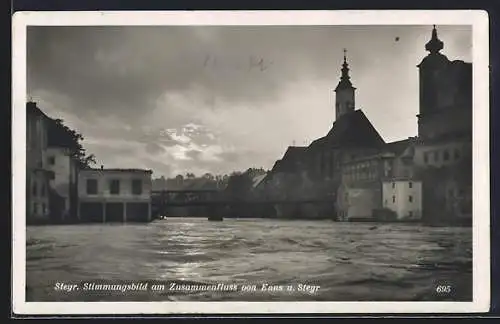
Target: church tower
[(344, 92), (431, 77)]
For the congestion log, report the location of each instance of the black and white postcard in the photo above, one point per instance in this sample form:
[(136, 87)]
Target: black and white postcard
[(250, 162)]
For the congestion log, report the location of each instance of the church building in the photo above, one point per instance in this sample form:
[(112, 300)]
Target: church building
[(315, 170), (443, 152), (427, 177)]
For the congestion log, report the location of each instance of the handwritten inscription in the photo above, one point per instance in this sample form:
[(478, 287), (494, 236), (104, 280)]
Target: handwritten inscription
[(250, 63)]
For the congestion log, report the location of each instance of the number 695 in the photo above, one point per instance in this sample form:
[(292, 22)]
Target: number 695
[(443, 289)]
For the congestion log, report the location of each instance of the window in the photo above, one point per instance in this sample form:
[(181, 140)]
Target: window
[(393, 199), (410, 184), (410, 213), (393, 185), (385, 202), (35, 208), (52, 160), (456, 154), (34, 189), (91, 187), (44, 209), (436, 156), (114, 187), (426, 157), (410, 198), (42, 190), (137, 187), (446, 155)]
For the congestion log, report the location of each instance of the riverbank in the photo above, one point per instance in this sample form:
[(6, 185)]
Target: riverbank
[(432, 223)]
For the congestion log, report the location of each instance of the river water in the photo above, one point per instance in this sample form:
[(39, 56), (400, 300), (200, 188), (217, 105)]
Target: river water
[(344, 261)]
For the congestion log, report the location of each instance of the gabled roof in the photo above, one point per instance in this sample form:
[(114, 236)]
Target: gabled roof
[(257, 180), (289, 161), (351, 130), (398, 147), (32, 109), (294, 152)]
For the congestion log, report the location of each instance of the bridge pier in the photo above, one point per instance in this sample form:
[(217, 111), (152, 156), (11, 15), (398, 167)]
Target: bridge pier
[(104, 212)]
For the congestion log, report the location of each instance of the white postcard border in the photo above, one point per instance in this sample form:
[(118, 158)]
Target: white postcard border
[(481, 179)]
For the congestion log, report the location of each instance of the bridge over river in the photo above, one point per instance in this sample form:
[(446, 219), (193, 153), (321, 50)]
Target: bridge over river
[(210, 202)]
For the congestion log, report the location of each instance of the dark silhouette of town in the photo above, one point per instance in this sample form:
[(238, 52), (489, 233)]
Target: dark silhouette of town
[(350, 174)]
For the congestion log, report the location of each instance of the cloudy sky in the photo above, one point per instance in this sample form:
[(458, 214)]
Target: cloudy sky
[(218, 99)]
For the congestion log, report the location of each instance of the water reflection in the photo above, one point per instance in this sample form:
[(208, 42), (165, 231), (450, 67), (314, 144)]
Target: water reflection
[(349, 261)]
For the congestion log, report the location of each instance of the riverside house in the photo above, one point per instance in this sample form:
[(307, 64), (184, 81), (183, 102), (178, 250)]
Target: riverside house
[(114, 195)]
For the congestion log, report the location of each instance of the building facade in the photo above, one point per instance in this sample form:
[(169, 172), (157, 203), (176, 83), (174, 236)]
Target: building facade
[(64, 196), (37, 173), (403, 197), (114, 195), (372, 185)]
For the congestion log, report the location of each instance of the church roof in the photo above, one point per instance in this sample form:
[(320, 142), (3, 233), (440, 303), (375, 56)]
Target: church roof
[(294, 152), (434, 59), (351, 130), (398, 147), (33, 110), (290, 159)]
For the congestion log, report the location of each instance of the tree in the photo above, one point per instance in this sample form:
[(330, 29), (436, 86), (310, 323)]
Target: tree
[(60, 135), (208, 176), (239, 185)]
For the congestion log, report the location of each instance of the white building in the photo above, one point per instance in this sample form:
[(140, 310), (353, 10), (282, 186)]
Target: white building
[(404, 197), (114, 195), (358, 202), (64, 182)]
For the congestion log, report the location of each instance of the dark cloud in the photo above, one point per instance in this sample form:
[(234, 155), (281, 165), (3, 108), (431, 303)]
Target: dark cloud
[(215, 98)]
